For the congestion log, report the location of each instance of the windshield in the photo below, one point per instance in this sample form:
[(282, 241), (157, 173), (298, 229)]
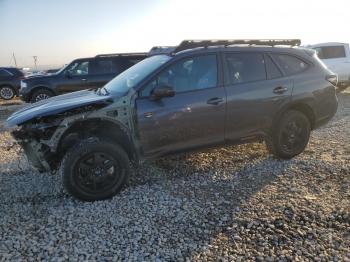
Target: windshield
[(135, 74), (62, 68)]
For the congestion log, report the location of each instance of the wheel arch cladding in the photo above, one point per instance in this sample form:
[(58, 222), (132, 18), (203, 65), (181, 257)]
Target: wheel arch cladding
[(301, 107), (101, 128), (37, 88)]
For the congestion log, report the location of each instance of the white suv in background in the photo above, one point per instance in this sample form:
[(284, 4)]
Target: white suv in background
[(336, 56)]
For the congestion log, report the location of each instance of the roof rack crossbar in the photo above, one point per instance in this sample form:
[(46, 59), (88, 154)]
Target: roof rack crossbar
[(190, 44), (121, 54), (159, 50)]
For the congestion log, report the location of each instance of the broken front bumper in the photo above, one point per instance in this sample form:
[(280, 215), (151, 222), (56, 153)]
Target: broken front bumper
[(36, 155)]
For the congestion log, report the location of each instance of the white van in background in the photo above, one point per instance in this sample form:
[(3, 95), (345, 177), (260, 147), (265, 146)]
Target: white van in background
[(336, 56)]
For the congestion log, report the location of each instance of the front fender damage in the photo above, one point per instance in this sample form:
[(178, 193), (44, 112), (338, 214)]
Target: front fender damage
[(40, 137)]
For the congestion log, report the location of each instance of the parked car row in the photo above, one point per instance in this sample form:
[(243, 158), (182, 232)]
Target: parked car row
[(10, 79), (87, 73), (197, 95), (83, 73)]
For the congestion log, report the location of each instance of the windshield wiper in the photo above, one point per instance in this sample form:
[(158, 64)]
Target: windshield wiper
[(105, 90), (102, 91)]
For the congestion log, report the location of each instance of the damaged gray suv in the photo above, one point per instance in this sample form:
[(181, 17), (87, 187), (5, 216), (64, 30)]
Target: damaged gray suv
[(197, 95)]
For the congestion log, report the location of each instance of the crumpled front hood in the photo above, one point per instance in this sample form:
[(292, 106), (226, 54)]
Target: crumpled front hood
[(57, 104)]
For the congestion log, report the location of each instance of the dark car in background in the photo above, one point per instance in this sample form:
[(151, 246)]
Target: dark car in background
[(83, 73), (10, 79)]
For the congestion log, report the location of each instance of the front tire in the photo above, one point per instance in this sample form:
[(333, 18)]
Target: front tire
[(41, 94), (95, 170), (290, 136), (7, 92)]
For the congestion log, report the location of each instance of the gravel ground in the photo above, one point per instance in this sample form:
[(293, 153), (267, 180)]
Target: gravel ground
[(235, 203)]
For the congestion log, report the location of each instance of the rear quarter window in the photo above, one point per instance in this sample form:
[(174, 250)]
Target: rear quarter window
[(290, 65)]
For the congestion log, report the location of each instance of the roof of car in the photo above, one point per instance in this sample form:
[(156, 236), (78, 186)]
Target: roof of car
[(327, 44), (190, 46), (9, 68), (112, 55)]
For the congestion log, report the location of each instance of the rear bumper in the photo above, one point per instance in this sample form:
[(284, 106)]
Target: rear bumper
[(332, 109)]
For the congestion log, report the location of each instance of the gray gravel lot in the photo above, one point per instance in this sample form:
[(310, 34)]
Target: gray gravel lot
[(236, 203)]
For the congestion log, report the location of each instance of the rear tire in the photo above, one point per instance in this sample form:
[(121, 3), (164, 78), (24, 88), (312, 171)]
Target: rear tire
[(7, 92), (290, 136), (95, 170), (40, 94)]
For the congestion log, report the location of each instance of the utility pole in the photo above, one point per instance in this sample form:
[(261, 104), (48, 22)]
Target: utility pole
[(35, 60), (14, 58)]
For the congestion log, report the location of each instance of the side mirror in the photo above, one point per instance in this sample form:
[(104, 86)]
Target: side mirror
[(162, 91)]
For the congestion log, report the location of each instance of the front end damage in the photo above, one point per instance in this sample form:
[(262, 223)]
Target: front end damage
[(46, 131), (39, 137)]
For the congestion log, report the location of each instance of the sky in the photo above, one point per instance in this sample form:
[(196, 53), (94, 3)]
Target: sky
[(58, 31)]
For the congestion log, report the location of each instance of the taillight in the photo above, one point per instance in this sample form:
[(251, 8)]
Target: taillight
[(333, 79)]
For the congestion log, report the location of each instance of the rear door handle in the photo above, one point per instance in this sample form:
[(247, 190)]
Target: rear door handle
[(83, 79), (215, 101), (280, 90)]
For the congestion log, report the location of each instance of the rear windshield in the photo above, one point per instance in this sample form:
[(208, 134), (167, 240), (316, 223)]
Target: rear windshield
[(290, 64)]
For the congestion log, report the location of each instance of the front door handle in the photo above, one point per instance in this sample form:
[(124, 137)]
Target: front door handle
[(280, 90), (215, 101), (148, 114), (83, 79)]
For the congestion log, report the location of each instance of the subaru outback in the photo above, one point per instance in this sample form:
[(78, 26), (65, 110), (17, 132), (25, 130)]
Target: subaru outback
[(197, 95)]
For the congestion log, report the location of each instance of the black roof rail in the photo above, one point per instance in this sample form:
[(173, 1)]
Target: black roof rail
[(158, 50), (190, 44), (122, 54)]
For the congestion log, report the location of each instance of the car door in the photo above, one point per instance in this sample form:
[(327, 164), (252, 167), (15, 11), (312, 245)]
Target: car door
[(255, 92), (193, 117), (75, 77)]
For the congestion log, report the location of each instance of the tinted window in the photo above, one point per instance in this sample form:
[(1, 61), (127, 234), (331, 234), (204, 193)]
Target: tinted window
[(189, 74), (105, 66), (79, 68), (290, 64), (271, 69), (4, 73), (129, 62), (244, 68), (329, 52)]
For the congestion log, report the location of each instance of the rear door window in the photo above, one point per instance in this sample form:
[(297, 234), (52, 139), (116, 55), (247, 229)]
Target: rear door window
[(330, 52), (290, 64), (244, 68), (272, 70), (105, 66), (129, 62), (188, 74)]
